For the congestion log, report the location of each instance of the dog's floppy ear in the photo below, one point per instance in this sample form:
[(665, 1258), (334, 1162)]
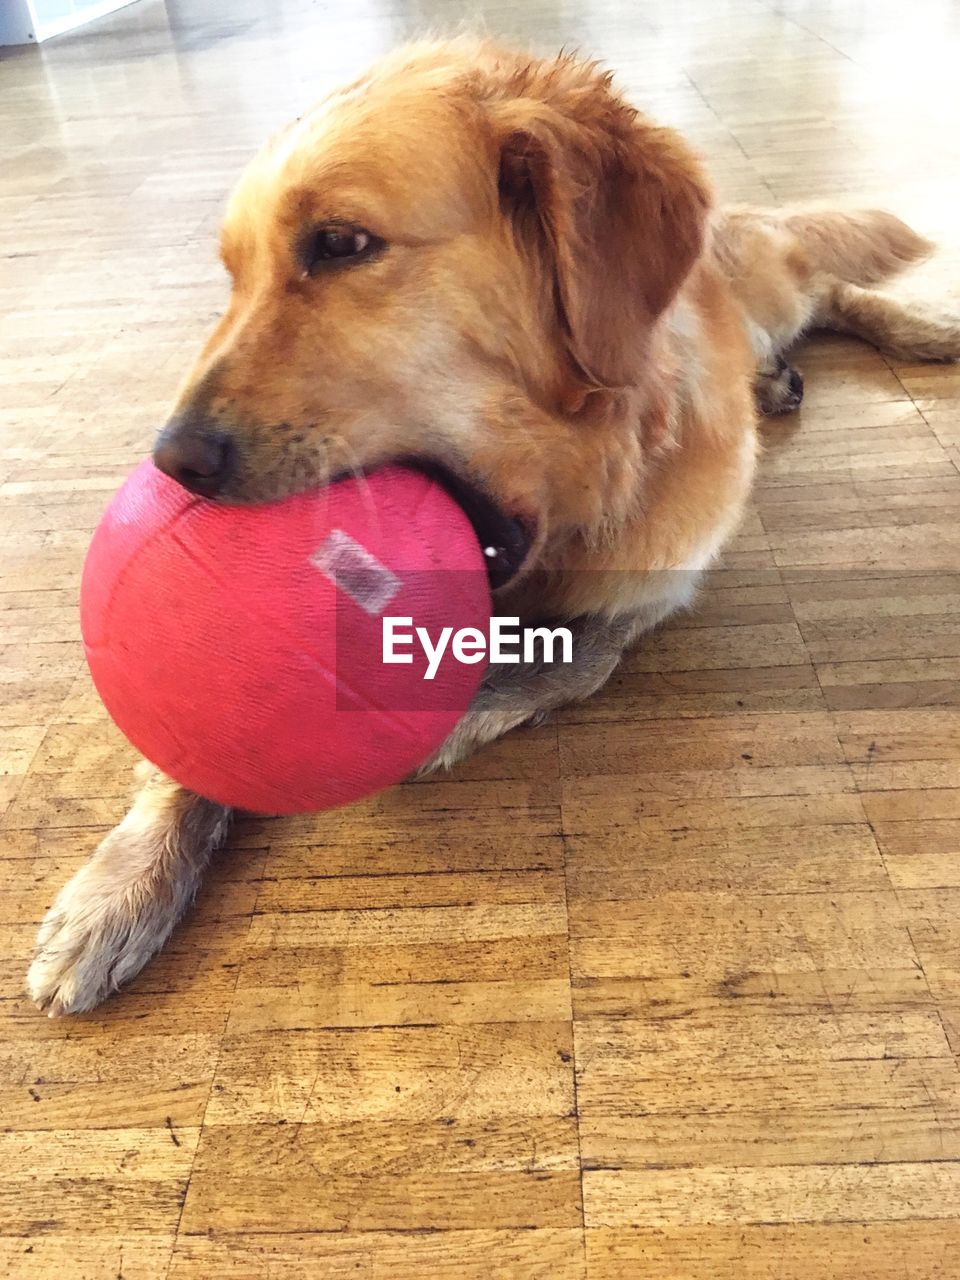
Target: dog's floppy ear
[(613, 206)]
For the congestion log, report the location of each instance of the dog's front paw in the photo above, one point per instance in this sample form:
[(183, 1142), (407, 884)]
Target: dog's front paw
[(83, 951), (482, 724), (95, 937)]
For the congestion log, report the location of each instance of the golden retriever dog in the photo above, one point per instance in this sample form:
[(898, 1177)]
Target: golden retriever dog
[(496, 266)]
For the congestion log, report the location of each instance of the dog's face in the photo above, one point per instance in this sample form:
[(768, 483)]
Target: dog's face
[(459, 260)]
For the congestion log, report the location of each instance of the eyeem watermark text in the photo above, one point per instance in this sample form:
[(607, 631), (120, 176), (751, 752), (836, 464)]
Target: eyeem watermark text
[(507, 642)]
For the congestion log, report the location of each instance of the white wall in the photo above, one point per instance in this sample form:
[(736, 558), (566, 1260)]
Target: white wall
[(26, 21)]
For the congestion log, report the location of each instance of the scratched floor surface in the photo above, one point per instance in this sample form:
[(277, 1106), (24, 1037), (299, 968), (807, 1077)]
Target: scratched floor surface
[(668, 988)]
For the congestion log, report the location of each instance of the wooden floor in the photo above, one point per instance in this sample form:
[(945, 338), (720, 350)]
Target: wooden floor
[(669, 989)]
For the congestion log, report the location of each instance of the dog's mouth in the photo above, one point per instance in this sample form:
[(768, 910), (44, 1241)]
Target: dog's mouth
[(505, 539)]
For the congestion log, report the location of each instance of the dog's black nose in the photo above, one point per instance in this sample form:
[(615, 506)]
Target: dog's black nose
[(199, 460)]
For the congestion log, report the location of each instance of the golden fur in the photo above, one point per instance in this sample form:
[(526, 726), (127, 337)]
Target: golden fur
[(560, 313)]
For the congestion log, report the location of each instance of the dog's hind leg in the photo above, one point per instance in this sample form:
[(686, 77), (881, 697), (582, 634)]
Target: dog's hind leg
[(905, 330), (849, 253)]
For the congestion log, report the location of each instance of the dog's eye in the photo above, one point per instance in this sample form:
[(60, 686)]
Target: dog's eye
[(338, 243)]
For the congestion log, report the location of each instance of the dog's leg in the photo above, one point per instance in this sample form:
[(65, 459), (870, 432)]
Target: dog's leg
[(778, 387), (905, 330), (527, 692), (120, 908)]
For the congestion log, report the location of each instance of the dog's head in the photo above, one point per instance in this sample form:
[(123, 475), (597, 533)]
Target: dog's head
[(461, 259)]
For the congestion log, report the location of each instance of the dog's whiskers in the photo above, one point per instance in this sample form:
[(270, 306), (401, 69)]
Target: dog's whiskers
[(356, 470)]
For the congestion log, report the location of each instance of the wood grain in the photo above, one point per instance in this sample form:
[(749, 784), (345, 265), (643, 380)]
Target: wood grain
[(668, 987)]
